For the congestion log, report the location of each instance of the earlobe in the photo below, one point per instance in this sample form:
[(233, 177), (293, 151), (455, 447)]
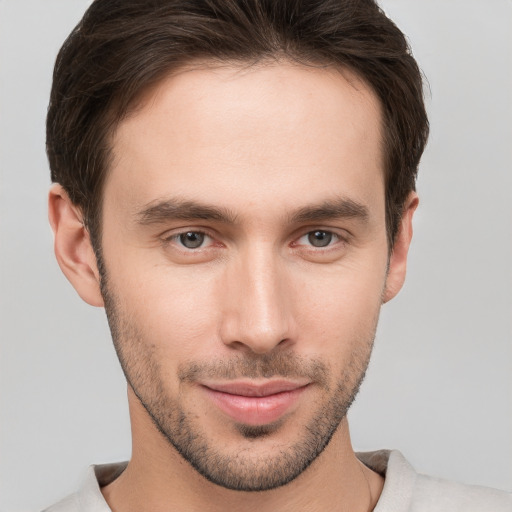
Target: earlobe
[(73, 248), (398, 258)]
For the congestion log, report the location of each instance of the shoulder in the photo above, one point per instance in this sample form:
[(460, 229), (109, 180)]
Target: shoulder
[(89, 497), (405, 490), (69, 504), (434, 494)]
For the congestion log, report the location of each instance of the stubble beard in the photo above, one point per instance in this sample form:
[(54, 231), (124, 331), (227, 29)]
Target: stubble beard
[(238, 470)]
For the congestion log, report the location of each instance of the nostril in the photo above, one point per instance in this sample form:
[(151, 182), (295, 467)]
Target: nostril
[(283, 344), (258, 344), (237, 345)]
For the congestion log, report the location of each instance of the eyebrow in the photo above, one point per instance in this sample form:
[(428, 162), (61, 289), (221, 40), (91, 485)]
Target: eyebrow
[(340, 208), (177, 209), (161, 211)]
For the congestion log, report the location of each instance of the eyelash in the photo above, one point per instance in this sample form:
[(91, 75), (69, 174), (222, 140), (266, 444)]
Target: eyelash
[(175, 237), (334, 237)]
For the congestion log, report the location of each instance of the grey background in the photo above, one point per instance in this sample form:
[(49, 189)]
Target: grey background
[(439, 385)]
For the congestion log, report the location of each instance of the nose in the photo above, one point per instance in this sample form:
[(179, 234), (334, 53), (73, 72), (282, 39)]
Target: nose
[(257, 315)]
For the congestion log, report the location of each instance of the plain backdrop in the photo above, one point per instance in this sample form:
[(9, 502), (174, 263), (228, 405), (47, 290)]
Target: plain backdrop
[(440, 382)]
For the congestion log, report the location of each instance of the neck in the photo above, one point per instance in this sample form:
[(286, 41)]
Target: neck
[(158, 479)]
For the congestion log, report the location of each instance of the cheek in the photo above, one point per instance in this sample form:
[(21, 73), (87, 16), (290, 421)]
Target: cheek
[(173, 309), (179, 310), (341, 305)]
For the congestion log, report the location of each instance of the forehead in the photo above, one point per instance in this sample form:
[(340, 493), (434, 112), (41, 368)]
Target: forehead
[(277, 128)]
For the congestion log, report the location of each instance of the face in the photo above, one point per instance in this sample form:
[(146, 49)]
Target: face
[(244, 244)]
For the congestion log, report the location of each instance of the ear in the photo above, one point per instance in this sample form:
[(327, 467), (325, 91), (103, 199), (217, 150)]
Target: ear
[(73, 247), (398, 258)]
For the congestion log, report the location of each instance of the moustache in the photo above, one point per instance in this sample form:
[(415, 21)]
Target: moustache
[(256, 366)]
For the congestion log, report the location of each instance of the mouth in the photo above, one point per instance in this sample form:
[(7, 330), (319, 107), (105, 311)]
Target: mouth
[(255, 403)]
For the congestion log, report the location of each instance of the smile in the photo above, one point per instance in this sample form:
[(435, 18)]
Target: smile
[(255, 404)]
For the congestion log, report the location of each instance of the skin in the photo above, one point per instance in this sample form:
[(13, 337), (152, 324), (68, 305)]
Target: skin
[(270, 147)]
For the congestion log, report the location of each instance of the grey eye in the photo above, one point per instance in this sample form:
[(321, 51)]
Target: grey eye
[(320, 238), (192, 239)]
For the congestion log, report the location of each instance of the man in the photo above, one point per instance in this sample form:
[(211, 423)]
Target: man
[(235, 184)]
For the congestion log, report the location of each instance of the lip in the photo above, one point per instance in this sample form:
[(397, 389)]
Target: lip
[(255, 403)]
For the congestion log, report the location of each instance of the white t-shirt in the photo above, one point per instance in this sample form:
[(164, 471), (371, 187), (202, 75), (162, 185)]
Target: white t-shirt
[(404, 489)]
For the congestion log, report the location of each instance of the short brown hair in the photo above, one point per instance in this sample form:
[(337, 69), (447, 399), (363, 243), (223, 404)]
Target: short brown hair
[(121, 47)]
